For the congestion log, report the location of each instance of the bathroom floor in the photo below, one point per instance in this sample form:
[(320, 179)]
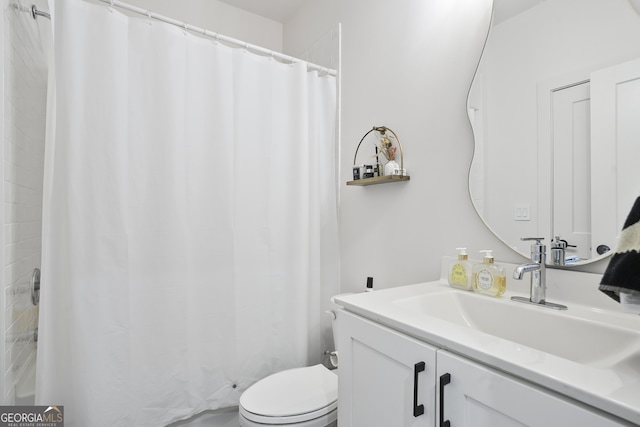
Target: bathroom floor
[(225, 418)]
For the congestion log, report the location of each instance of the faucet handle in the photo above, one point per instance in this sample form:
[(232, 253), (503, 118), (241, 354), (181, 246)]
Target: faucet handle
[(557, 242), (538, 247), (538, 239)]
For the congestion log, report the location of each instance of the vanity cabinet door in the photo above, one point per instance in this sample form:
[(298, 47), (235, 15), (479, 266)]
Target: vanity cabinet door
[(474, 395), (386, 379)]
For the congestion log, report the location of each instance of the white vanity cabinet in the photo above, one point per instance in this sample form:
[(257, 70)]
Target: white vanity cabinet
[(388, 379), (470, 394)]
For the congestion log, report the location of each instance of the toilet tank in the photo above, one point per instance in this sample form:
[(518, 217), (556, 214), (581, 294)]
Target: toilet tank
[(331, 355)]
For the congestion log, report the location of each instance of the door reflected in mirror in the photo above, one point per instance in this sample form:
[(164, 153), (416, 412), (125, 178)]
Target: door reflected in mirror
[(554, 109)]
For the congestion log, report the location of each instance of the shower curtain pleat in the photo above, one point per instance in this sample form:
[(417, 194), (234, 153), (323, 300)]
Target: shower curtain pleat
[(190, 246)]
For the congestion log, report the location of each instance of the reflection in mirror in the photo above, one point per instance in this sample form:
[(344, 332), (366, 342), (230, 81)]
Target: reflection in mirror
[(554, 108)]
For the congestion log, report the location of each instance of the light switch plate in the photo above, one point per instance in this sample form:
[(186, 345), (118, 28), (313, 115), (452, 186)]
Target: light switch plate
[(521, 212)]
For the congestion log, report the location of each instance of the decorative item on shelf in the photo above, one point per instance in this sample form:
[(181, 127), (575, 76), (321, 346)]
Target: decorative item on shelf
[(367, 174)]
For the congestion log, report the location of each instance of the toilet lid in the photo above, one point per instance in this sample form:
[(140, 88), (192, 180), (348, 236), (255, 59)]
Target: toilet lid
[(301, 393)]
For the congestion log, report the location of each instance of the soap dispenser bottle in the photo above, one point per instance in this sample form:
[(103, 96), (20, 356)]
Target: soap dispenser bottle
[(489, 278), (460, 272)]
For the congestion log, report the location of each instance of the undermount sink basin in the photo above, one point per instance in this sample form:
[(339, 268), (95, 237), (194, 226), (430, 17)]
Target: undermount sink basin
[(578, 338)]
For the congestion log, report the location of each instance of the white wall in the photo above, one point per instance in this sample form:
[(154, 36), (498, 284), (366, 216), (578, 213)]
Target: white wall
[(406, 65)]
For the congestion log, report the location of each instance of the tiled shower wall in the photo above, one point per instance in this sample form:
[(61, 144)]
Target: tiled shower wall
[(25, 95)]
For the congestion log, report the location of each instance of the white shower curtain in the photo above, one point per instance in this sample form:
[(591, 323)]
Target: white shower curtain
[(190, 245)]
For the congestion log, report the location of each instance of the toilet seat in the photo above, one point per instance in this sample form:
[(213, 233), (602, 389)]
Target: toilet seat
[(292, 396)]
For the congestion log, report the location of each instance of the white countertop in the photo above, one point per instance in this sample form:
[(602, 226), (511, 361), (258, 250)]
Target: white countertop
[(616, 391)]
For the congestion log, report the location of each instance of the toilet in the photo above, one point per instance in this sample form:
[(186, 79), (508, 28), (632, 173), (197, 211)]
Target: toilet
[(300, 397)]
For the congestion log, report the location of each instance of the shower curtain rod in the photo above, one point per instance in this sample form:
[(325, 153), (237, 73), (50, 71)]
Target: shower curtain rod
[(219, 37)]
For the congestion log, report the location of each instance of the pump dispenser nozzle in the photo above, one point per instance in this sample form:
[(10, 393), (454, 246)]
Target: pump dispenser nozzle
[(462, 254), (488, 256)]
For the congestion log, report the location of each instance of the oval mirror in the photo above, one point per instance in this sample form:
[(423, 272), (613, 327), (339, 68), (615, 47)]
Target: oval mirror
[(554, 109)]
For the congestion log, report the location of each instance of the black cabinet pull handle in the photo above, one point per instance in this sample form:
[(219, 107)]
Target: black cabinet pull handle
[(417, 409), (444, 380)]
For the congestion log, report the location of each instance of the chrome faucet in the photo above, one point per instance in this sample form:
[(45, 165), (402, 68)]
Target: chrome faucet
[(538, 269)]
